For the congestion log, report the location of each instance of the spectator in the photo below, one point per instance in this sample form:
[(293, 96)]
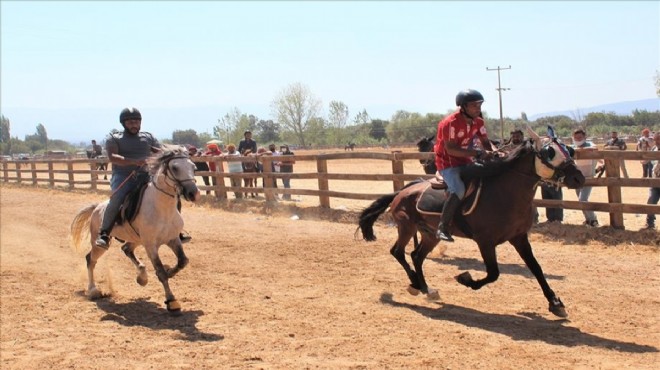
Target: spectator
[(286, 166), (274, 165), (97, 150), (234, 167), (588, 168), (645, 144), (654, 193), (247, 143), (212, 150), (200, 166), (614, 143), (549, 191)]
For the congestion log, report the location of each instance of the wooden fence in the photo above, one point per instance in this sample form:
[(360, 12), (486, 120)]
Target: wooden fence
[(36, 172)]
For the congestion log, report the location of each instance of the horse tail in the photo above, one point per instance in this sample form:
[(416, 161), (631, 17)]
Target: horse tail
[(370, 214), (80, 225)]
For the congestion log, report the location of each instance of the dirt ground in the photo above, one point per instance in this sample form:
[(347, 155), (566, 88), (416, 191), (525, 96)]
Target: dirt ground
[(267, 290)]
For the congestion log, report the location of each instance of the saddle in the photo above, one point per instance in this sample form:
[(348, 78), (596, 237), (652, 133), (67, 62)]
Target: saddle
[(433, 197), (131, 205)]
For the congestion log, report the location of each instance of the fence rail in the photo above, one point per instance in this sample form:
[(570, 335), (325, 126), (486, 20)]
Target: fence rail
[(83, 173)]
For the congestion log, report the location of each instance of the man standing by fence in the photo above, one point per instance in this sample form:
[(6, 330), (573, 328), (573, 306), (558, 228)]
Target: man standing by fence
[(615, 143), (286, 166), (654, 193)]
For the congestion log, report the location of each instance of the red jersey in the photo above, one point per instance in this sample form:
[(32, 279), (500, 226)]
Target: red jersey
[(454, 128)]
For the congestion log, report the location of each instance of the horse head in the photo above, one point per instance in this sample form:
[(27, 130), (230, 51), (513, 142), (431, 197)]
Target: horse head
[(554, 160), (425, 144), (173, 167)]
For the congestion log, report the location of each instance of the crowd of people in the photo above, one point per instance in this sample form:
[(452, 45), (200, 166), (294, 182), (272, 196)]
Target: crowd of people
[(246, 148)]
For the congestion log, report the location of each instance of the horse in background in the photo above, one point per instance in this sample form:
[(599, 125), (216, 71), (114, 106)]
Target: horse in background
[(425, 145), (499, 210), (349, 146), (156, 222), (250, 167)]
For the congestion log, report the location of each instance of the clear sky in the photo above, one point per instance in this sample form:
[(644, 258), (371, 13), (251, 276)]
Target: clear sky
[(74, 65)]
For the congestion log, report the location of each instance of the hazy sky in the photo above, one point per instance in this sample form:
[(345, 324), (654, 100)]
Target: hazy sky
[(94, 58)]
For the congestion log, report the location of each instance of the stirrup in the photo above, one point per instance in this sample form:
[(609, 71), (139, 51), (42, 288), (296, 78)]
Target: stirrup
[(444, 236), (102, 241), (185, 238)]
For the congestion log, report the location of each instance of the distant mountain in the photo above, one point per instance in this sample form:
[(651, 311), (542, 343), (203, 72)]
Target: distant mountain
[(620, 108)]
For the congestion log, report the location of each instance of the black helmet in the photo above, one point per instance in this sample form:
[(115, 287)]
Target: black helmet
[(467, 96), (129, 113)]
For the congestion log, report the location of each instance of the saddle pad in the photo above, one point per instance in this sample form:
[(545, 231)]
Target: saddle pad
[(431, 200), (131, 205)]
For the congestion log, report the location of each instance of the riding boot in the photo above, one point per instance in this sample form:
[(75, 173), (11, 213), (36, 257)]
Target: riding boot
[(185, 238), (109, 218), (448, 211)]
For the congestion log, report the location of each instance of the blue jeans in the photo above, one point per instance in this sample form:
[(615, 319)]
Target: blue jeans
[(452, 177), (654, 196), (583, 196)]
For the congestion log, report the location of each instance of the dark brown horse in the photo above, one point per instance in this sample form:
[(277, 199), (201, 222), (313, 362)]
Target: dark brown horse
[(502, 212), (250, 167), (424, 145)]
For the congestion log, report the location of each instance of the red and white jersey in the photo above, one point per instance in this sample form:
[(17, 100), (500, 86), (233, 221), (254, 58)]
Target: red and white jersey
[(455, 128)]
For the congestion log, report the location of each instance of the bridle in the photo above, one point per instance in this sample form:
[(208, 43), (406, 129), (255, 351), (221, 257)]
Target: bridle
[(558, 171), (175, 183)]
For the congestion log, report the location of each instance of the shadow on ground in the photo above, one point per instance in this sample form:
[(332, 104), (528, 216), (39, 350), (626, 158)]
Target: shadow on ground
[(523, 327)]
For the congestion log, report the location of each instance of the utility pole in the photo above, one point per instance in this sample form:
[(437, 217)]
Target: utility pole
[(499, 90)]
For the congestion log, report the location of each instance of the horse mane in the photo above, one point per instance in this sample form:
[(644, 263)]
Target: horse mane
[(166, 153), (498, 165)]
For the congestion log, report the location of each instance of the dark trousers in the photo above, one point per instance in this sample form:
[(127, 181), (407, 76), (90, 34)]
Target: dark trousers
[(654, 197), (647, 169), (551, 192)]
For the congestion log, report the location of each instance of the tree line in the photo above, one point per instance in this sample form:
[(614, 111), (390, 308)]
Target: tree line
[(298, 122)]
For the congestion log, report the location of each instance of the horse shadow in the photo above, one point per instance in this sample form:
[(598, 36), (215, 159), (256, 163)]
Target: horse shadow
[(478, 265), (523, 327), (141, 312)]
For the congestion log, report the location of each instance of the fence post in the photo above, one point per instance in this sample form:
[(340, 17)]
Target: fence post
[(397, 169), (322, 169), (269, 181), (18, 171), (613, 169), (33, 167), (93, 175), (69, 168), (5, 169), (51, 174), (219, 181)]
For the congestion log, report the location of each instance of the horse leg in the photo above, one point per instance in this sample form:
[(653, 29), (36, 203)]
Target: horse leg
[(181, 259), (92, 257), (142, 277), (524, 249), (489, 255), (173, 306), (398, 250), (418, 256)]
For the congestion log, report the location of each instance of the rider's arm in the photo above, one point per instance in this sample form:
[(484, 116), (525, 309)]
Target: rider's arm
[(455, 150)]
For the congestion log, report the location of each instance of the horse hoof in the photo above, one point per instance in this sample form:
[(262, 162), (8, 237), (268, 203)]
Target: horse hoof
[(94, 294), (173, 307), (557, 308), (433, 295), (142, 280), (464, 278), (412, 291)]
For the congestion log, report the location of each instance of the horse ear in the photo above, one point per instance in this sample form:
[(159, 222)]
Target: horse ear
[(535, 137)]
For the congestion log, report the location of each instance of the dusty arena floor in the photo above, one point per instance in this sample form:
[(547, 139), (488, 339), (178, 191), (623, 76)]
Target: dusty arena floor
[(266, 291)]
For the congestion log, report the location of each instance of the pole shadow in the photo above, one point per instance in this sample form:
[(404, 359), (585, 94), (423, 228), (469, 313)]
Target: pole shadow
[(525, 327), (141, 312)]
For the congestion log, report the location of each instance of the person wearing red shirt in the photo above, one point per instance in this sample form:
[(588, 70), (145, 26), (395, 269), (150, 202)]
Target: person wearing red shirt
[(453, 151)]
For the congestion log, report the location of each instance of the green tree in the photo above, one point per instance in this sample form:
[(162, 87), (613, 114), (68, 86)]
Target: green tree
[(5, 135), (268, 131), (294, 107), (182, 137), (377, 129), (42, 135)]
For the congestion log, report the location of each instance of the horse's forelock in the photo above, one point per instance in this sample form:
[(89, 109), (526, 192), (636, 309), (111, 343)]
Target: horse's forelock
[(167, 152)]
